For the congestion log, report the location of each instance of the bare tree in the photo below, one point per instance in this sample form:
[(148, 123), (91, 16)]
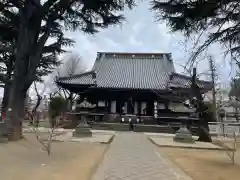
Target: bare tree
[(72, 64), (213, 80), (33, 114), (51, 134)]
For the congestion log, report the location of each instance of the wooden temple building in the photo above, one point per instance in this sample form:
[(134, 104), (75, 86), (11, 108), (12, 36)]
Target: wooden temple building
[(142, 85)]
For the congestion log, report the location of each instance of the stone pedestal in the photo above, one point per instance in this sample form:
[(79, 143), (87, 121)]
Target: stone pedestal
[(82, 130), (183, 135)]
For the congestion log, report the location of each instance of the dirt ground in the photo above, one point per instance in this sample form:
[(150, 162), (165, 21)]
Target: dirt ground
[(205, 164), (25, 159)]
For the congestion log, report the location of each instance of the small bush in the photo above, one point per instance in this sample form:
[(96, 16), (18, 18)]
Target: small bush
[(57, 106)]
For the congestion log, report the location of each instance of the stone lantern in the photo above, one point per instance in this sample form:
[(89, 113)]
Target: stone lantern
[(183, 135), (83, 129)]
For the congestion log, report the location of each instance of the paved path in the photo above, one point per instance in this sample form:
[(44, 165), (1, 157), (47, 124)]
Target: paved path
[(132, 157)]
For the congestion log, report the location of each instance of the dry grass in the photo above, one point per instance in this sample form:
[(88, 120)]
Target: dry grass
[(25, 160), (204, 164)]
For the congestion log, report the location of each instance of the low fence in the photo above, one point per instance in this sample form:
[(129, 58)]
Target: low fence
[(225, 128), (137, 127), (229, 144)]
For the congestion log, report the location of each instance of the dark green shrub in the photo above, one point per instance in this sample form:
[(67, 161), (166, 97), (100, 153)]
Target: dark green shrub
[(57, 106)]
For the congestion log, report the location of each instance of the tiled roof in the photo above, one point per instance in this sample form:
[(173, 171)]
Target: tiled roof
[(81, 79), (132, 71), (183, 81), (128, 70)]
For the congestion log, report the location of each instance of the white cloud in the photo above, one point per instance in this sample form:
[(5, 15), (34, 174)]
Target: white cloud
[(141, 33), (134, 42), (111, 43), (137, 27)]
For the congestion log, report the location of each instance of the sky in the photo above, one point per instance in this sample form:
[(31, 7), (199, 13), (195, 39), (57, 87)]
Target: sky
[(141, 33)]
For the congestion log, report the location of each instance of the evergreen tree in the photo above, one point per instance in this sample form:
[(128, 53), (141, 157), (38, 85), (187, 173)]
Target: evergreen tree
[(38, 21), (57, 106), (9, 25), (222, 17)]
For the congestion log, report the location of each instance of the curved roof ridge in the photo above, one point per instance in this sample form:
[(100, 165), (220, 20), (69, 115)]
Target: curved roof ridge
[(133, 54), (129, 53)]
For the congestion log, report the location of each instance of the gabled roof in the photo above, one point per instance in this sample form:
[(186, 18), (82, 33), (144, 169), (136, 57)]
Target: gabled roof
[(132, 71), (128, 71)]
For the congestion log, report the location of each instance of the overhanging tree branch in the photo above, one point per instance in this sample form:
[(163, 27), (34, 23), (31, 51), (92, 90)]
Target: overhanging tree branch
[(190, 17)]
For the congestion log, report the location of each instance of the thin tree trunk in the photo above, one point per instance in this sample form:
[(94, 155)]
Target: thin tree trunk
[(34, 110)]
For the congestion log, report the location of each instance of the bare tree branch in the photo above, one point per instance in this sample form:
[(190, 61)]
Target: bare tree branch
[(72, 64)]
